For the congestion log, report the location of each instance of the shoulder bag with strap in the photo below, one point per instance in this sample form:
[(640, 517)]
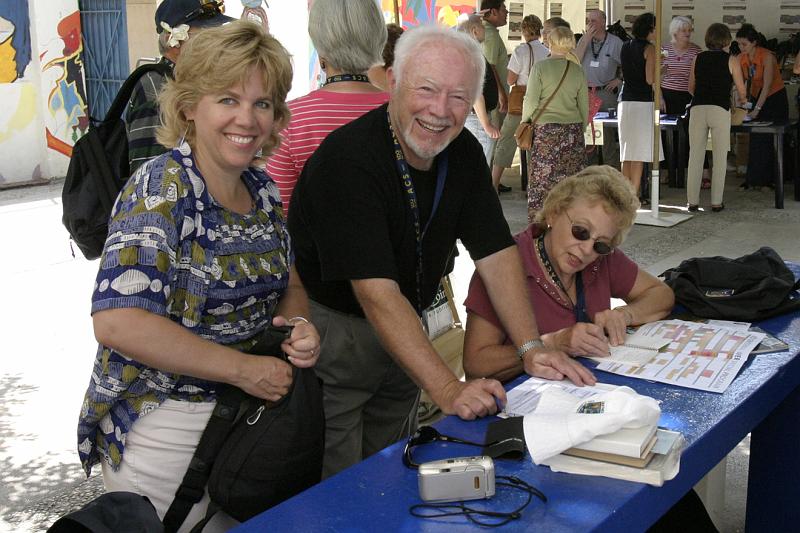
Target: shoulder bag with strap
[(517, 94), (524, 133)]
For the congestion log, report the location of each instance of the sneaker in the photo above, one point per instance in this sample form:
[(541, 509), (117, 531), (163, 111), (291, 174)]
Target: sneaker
[(503, 188)]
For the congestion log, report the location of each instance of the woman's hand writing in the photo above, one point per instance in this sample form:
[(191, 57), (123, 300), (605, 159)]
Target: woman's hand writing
[(615, 323), (582, 339)]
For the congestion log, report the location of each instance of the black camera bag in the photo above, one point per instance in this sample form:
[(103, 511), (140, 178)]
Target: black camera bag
[(255, 454), (752, 287)]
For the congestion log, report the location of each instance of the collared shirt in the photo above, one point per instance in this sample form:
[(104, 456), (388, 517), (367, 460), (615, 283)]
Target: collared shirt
[(521, 61), (172, 250), (142, 118), (607, 61), (609, 276), (494, 50)]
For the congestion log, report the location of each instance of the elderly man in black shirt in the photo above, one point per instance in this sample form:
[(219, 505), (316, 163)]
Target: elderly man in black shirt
[(374, 218)]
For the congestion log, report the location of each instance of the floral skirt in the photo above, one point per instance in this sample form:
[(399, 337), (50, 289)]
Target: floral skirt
[(557, 152)]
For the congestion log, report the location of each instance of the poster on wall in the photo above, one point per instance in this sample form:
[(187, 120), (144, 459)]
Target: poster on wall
[(632, 9), (15, 40), (515, 14), (592, 4), (556, 9), (418, 12), (789, 17), (734, 13)]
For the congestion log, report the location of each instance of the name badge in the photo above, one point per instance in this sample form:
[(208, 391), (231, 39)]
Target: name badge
[(594, 64)]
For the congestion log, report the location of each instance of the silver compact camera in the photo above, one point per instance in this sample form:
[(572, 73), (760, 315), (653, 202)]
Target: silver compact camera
[(460, 478)]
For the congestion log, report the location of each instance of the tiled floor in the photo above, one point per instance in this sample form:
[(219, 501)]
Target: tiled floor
[(48, 346)]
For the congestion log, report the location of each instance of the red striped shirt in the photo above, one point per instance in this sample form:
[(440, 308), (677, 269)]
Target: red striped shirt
[(678, 67), (314, 116)]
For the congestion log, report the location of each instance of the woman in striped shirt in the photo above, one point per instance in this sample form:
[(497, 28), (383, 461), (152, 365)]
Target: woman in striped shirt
[(349, 38), (677, 57)]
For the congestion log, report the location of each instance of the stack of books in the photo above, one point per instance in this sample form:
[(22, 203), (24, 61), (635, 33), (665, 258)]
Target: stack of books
[(629, 447)]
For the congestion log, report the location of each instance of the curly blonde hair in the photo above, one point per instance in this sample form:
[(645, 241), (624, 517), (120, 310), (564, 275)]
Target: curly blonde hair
[(597, 183), (219, 58)]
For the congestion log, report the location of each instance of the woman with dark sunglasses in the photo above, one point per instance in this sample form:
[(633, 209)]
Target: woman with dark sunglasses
[(573, 269)]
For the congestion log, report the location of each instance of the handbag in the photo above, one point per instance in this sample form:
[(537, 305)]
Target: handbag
[(517, 94), (524, 132), (255, 454)]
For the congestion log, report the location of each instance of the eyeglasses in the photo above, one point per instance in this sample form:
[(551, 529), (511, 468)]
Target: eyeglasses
[(583, 234), (428, 434), (207, 9)]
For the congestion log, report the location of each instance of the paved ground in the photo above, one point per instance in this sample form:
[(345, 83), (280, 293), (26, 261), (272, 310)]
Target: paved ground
[(48, 346)]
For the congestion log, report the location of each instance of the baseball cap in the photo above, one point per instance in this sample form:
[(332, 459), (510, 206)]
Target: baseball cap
[(195, 13)]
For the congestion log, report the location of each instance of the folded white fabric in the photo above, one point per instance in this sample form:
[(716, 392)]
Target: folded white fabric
[(562, 420)]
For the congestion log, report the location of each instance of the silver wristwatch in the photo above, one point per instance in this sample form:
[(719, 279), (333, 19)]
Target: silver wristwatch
[(528, 346)]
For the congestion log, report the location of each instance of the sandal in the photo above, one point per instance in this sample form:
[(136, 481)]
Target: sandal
[(693, 207), (717, 208)]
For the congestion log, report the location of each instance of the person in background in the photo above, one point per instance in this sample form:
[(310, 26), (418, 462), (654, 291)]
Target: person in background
[(369, 192), (377, 73), (547, 27), (349, 37), (519, 68), (599, 54), (711, 76), (495, 15), (796, 66), (558, 143), (176, 22), (677, 58), (573, 267), (770, 102), (197, 264), (636, 100), (479, 121)]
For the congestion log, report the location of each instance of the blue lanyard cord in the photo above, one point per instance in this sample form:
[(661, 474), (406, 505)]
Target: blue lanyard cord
[(580, 299), (346, 77), (408, 187)]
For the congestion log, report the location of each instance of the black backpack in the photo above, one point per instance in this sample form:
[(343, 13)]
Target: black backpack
[(98, 170), (752, 287)]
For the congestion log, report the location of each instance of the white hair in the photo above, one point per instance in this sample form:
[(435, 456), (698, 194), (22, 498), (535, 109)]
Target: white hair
[(438, 37), (679, 23), (348, 34)]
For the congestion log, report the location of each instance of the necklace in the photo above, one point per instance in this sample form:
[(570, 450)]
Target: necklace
[(551, 271)]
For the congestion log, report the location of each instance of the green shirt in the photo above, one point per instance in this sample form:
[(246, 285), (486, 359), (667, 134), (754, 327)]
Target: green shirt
[(494, 50), (571, 102)]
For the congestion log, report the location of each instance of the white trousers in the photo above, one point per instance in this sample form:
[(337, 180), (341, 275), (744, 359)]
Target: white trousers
[(158, 449), (702, 119)]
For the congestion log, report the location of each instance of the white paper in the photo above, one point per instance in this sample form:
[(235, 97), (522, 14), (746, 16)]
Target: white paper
[(524, 398), (637, 350)]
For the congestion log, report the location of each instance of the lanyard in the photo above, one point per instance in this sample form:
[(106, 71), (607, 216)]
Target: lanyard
[(580, 299), (408, 187), (346, 77), (597, 54)]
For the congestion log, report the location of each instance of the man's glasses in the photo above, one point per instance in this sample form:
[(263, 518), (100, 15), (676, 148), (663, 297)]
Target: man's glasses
[(428, 434), (583, 234), (207, 9)]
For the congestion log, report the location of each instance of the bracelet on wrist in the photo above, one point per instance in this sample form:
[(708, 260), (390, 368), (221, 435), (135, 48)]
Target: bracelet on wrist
[(300, 318), (626, 312), (528, 346)]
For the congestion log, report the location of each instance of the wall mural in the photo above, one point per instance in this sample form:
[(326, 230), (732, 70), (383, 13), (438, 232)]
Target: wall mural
[(15, 39), (66, 101), (418, 12)]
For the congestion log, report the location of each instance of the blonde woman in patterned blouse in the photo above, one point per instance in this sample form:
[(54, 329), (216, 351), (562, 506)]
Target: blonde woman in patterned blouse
[(197, 263)]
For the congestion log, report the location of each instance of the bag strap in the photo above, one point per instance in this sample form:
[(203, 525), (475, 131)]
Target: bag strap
[(124, 93), (530, 58), (192, 487), (541, 109)]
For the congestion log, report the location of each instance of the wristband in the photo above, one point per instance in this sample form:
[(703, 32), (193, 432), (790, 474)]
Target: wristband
[(301, 318), (627, 313), (528, 346)]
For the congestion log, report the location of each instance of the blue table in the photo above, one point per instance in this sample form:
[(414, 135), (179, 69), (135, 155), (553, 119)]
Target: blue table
[(764, 399)]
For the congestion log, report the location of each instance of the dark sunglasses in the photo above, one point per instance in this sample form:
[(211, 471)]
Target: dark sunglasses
[(583, 234), (208, 9), (428, 434)]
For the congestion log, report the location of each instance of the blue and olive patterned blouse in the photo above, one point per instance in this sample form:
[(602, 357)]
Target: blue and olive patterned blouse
[(174, 251)]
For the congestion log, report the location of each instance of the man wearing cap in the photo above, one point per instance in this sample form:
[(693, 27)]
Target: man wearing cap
[(176, 20), (375, 216)]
